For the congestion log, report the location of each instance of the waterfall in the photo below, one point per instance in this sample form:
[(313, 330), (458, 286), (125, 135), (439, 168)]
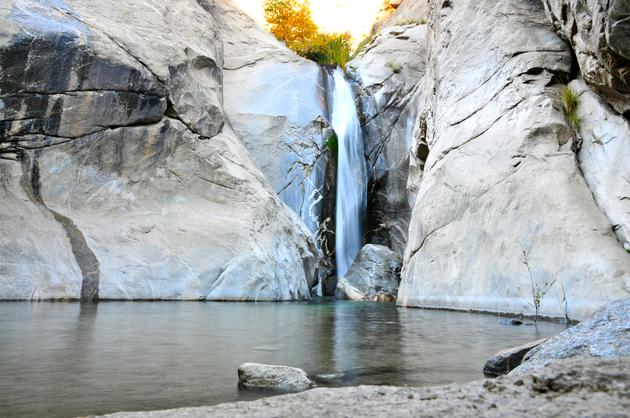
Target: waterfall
[(351, 172)]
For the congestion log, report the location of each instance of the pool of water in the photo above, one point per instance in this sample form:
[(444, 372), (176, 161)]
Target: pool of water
[(65, 359)]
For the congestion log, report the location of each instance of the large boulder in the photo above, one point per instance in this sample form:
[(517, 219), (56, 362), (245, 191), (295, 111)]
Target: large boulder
[(269, 377), (389, 70), (373, 276), (504, 220), (599, 33), (569, 388), (120, 178), (605, 334), (276, 103)]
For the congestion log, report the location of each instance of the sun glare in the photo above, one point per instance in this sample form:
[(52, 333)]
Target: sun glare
[(354, 16)]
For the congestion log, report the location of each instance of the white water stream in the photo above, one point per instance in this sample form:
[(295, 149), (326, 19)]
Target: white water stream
[(351, 172)]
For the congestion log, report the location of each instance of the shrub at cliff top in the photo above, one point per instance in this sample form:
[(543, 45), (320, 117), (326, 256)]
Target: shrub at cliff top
[(292, 23)]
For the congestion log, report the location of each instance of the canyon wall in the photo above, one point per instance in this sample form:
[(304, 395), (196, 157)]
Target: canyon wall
[(504, 218), (121, 177)]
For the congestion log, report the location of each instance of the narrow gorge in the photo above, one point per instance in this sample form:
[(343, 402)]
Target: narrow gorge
[(471, 156)]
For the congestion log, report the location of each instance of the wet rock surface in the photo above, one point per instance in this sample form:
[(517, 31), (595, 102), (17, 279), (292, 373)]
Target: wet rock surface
[(389, 70), (568, 388)]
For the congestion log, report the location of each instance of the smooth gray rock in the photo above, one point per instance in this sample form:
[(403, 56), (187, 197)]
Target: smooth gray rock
[(500, 185), (119, 176), (507, 360), (599, 33), (373, 276), (569, 388), (280, 378), (605, 334), (605, 157), (389, 70)]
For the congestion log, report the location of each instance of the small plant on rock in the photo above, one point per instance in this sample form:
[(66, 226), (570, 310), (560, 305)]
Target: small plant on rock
[(332, 143), (394, 66), (405, 22), (570, 102), (538, 292)]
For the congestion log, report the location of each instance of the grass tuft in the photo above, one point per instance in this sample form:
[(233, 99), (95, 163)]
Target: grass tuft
[(404, 22), (394, 66), (570, 102)]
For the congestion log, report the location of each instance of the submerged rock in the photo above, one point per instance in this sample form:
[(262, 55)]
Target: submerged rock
[(605, 334), (568, 388), (506, 360), (374, 276), (280, 378)]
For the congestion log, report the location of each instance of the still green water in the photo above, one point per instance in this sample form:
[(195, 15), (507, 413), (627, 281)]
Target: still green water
[(63, 360)]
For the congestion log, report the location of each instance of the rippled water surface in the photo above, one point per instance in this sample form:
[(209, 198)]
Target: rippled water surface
[(69, 360)]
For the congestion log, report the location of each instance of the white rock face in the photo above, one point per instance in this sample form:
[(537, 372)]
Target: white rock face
[(389, 71), (605, 158), (501, 186), (276, 103), (150, 197)]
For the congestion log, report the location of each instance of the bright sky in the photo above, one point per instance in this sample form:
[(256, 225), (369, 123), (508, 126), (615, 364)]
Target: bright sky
[(354, 16)]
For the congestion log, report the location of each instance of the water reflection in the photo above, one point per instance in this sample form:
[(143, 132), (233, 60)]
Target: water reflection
[(72, 359)]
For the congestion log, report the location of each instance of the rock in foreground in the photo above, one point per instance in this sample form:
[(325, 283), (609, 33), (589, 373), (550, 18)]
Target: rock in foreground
[(569, 388), (507, 360), (605, 334), (374, 276), (281, 378)]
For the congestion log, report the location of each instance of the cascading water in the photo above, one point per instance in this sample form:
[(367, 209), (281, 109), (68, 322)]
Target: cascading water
[(351, 172)]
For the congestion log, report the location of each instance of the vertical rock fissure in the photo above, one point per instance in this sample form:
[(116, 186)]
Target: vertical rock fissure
[(85, 258)]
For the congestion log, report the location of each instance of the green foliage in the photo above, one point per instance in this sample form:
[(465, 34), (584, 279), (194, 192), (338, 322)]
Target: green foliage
[(403, 22), (570, 102), (332, 143), (394, 66), (291, 22), (326, 49)]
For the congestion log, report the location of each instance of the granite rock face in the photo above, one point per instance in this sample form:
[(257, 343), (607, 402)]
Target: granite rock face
[(276, 103), (389, 70), (605, 334), (599, 33), (605, 157), (502, 210), (569, 388), (280, 378), (119, 175), (374, 276)]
